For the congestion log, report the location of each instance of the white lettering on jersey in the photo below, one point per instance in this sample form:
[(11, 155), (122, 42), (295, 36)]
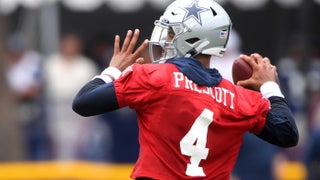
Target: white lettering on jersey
[(219, 94), (178, 77)]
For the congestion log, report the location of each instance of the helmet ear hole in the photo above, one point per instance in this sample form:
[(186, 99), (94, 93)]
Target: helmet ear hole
[(192, 40)]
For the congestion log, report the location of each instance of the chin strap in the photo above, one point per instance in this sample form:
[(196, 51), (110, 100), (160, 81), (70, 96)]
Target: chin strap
[(194, 51)]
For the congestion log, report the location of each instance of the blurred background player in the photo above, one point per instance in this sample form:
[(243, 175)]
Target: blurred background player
[(72, 136), (24, 77)]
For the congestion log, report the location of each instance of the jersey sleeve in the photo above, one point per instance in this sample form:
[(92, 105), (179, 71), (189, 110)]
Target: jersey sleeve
[(137, 84), (253, 107)]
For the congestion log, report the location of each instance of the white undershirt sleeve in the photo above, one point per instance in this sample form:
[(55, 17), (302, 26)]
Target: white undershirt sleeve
[(269, 89)]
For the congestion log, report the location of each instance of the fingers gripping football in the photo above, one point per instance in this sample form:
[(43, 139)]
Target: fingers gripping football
[(252, 71)]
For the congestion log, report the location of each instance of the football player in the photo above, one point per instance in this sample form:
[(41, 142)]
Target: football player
[(191, 120)]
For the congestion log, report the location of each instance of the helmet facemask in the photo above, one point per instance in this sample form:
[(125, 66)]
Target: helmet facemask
[(161, 44)]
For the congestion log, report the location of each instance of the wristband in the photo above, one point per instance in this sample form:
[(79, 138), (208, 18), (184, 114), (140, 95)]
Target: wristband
[(109, 74), (113, 72), (105, 78), (269, 89)]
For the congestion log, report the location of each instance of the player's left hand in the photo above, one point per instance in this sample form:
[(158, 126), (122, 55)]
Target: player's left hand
[(263, 71), (126, 55)]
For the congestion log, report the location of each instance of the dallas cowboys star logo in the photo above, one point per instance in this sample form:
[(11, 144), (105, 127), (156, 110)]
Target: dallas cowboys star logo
[(194, 11)]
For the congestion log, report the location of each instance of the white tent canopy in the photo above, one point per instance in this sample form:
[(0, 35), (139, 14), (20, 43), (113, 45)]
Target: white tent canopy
[(8, 6)]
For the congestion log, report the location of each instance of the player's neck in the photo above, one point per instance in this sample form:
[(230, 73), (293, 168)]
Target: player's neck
[(204, 59)]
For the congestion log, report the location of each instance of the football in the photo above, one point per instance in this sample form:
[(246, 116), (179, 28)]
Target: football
[(241, 70)]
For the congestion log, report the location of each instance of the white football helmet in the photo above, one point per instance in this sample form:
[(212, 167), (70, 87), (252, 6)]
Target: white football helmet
[(188, 28)]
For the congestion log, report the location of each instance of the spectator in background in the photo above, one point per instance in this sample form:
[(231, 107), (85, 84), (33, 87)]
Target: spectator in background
[(259, 153), (313, 89), (291, 70), (312, 156), (122, 121), (23, 75), (125, 148), (72, 136), (312, 149)]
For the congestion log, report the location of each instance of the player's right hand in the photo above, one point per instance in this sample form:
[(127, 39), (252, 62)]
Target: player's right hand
[(126, 55), (263, 71)]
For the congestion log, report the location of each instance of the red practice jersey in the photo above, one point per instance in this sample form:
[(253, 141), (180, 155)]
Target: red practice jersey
[(187, 131)]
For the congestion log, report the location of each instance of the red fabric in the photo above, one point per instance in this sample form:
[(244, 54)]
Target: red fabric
[(168, 105)]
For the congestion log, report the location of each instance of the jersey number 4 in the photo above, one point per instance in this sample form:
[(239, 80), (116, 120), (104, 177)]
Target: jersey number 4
[(193, 144)]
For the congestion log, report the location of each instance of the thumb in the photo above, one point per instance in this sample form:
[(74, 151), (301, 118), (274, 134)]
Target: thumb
[(248, 84), (140, 60), (243, 83)]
